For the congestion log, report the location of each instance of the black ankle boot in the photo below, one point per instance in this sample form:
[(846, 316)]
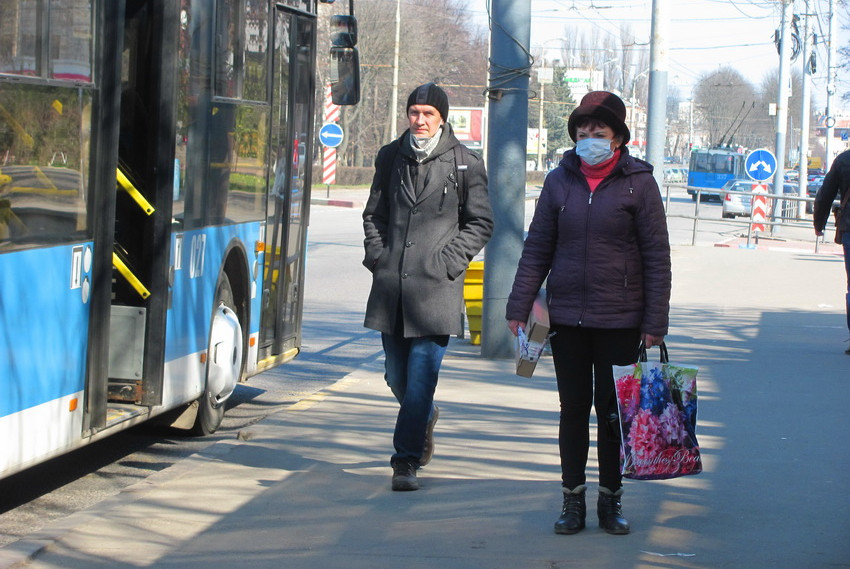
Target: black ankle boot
[(610, 512), (573, 512)]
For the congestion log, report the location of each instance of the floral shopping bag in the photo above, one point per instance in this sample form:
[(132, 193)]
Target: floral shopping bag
[(657, 403)]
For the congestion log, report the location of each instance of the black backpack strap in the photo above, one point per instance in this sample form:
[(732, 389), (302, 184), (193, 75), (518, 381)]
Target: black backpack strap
[(461, 167), (390, 163)]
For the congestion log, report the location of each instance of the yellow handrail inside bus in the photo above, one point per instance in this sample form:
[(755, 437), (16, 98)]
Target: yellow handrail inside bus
[(128, 274), (134, 193)]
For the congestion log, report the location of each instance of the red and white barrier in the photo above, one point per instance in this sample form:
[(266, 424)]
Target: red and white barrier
[(758, 211), (329, 154)]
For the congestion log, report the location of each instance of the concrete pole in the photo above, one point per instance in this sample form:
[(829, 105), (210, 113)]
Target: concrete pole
[(782, 108), (656, 134), (394, 101), (540, 166), (832, 50), (805, 114), (508, 94)]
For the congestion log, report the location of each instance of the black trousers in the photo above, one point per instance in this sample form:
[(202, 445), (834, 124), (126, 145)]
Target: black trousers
[(583, 358)]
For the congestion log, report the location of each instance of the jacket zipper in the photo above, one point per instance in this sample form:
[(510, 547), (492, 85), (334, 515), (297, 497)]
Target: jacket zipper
[(586, 257)]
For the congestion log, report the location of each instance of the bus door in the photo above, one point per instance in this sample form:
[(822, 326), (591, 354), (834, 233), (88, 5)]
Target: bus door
[(293, 89), (144, 174)]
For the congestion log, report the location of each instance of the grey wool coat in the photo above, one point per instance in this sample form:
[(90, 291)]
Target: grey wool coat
[(419, 242)]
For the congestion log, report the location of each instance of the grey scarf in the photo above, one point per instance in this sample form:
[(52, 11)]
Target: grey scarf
[(423, 147)]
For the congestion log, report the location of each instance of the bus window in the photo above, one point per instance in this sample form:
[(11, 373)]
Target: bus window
[(241, 58), (71, 40), (18, 45), (228, 53), (44, 144), (256, 56), (67, 42)]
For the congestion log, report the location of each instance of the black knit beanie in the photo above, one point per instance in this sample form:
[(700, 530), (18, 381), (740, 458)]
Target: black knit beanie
[(430, 94)]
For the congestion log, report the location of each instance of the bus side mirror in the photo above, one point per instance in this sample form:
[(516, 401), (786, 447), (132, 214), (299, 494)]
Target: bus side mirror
[(343, 31), (345, 75)]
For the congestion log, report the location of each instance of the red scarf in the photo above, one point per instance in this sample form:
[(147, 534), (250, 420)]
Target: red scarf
[(595, 174)]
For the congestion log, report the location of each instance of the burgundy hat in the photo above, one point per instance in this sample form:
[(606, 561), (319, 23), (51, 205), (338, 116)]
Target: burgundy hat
[(430, 94), (605, 107)]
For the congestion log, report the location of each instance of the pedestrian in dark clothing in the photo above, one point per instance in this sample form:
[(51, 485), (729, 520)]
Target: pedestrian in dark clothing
[(599, 239), (836, 184), (426, 218)]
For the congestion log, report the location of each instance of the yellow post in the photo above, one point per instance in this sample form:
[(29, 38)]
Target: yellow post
[(473, 296)]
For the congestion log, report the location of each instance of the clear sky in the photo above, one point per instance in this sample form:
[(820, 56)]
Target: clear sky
[(703, 34)]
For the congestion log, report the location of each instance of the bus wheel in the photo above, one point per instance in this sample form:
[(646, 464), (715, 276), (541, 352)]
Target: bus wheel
[(224, 360)]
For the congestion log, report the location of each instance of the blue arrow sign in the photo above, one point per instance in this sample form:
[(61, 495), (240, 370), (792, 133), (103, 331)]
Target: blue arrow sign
[(760, 165), (330, 134)]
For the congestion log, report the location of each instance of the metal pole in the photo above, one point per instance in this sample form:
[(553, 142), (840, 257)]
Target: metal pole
[(805, 114), (508, 94), (394, 100), (656, 135), (540, 166), (830, 86), (782, 109)]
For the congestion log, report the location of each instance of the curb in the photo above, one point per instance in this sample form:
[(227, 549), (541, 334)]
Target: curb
[(763, 244), (336, 203)]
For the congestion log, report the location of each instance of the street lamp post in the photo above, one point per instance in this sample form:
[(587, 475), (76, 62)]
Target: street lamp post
[(633, 101), (544, 77)]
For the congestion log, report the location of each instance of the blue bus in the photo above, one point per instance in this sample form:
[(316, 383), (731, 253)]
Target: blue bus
[(154, 199), (711, 168)]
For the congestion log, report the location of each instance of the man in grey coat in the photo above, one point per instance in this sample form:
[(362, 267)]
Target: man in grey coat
[(427, 216)]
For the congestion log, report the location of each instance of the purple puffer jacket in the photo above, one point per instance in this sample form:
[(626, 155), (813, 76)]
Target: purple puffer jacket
[(606, 254)]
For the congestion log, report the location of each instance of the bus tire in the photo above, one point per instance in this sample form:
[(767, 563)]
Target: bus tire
[(210, 410)]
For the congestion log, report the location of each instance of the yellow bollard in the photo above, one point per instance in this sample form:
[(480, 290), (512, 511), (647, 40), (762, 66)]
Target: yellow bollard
[(473, 296)]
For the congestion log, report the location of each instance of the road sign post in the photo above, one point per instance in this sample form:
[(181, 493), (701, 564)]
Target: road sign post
[(761, 167), (330, 135)]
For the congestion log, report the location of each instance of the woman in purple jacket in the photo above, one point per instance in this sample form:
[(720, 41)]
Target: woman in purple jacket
[(599, 240)]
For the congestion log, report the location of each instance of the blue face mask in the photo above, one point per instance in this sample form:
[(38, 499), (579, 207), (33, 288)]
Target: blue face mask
[(594, 151)]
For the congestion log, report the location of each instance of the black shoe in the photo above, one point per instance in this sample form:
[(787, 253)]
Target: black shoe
[(428, 449), (404, 477), (610, 512), (573, 512)]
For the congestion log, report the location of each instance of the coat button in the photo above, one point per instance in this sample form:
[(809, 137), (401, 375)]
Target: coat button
[(404, 275), (415, 211), (409, 244)]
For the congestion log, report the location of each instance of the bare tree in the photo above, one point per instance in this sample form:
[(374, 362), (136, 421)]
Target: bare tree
[(723, 102), (620, 58), (437, 43)]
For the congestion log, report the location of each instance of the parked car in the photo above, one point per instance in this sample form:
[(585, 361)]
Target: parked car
[(736, 199), (812, 188), (675, 175)]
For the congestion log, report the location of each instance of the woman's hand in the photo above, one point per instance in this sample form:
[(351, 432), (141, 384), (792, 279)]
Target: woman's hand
[(514, 325), (649, 340)]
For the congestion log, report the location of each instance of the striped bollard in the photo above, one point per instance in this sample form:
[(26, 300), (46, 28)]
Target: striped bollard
[(758, 211), (329, 154)]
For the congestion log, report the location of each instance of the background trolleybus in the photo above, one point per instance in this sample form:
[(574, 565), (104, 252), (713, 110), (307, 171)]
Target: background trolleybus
[(710, 168), (154, 198)]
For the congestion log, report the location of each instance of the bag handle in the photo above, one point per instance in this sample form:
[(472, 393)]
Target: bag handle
[(642, 352)]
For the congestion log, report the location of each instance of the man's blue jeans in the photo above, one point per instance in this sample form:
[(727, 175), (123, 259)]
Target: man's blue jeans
[(845, 240), (412, 367)]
